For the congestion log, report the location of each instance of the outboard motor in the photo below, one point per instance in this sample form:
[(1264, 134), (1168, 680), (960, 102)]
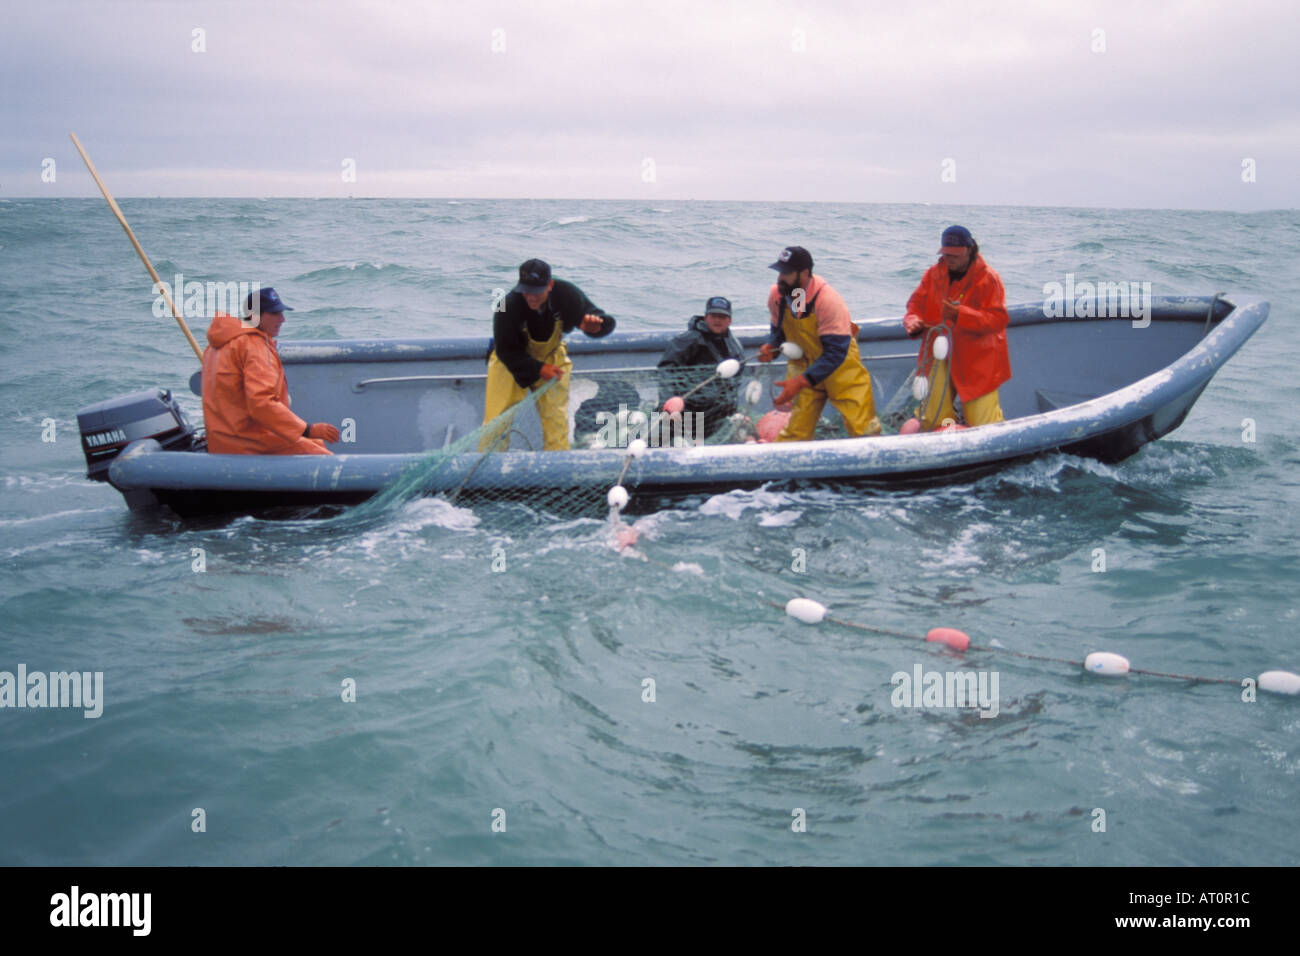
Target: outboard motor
[(108, 427)]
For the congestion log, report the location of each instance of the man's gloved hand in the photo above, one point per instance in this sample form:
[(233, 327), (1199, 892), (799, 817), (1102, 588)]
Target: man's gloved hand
[(592, 324), (790, 388), (767, 351), (913, 323), (950, 311), (322, 431), (551, 371)]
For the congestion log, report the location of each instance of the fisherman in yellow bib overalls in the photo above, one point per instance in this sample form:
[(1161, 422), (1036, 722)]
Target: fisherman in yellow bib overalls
[(528, 350), (805, 310)]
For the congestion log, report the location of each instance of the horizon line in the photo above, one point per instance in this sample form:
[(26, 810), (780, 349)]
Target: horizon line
[(841, 202)]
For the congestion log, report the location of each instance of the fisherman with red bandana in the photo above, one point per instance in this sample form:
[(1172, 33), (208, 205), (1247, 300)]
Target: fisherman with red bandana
[(962, 298)]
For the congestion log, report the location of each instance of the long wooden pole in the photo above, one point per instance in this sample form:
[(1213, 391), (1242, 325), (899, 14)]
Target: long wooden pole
[(158, 283)]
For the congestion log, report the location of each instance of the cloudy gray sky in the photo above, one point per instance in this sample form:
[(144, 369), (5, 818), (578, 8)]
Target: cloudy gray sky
[(1140, 104)]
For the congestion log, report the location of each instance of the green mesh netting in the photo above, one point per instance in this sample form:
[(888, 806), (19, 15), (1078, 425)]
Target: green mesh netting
[(608, 411), (904, 404)]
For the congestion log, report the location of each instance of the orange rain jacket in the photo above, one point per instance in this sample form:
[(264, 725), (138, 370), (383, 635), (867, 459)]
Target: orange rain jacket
[(979, 358), (246, 397)]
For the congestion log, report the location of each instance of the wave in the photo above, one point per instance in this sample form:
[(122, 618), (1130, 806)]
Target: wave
[(565, 221), (351, 271)]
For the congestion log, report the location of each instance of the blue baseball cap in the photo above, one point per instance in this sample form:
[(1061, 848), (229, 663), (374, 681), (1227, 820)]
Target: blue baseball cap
[(718, 305), (268, 301), (956, 237)]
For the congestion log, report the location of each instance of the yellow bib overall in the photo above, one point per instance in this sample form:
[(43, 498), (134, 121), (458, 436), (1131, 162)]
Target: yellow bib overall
[(938, 408), (848, 388), (552, 408)]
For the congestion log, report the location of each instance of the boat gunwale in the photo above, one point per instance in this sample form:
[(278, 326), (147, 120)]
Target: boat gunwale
[(880, 329), (889, 458)]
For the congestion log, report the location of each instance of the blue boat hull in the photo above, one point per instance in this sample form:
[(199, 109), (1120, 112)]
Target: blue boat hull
[(1100, 388)]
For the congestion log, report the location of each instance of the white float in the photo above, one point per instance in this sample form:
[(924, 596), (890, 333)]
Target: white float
[(791, 351), (941, 347), (805, 610), (1280, 682), (728, 368), (1106, 664), (617, 497)]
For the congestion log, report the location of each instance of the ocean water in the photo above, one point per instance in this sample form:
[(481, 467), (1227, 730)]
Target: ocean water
[(518, 698)]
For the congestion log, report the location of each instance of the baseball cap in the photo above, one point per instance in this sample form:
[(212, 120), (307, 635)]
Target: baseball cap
[(268, 301), (718, 305), (534, 277), (792, 259), (956, 237)]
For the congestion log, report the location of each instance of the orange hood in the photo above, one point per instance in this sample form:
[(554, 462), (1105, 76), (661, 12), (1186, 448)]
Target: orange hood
[(225, 328)]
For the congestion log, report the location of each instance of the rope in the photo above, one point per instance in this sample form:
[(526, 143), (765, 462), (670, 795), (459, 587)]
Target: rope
[(903, 405), (1023, 655), (853, 625), (622, 542)]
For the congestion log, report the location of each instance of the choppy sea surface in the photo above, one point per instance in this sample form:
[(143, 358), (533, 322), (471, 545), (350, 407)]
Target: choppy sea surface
[(518, 698)]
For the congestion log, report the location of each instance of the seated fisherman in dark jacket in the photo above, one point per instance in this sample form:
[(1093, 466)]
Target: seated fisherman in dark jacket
[(693, 357)]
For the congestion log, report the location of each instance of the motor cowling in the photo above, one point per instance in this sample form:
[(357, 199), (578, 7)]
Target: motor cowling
[(108, 427)]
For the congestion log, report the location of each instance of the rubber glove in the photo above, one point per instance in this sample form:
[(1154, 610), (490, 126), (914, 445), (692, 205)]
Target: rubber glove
[(790, 388), (322, 431)]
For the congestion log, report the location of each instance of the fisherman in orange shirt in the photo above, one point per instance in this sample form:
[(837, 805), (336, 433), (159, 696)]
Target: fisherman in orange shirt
[(964, 299), (245, 395)]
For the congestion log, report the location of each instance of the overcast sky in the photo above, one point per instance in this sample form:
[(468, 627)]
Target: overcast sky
[(1132, 103)]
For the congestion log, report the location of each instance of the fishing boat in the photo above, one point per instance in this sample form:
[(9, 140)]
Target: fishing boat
[(1099, 387)]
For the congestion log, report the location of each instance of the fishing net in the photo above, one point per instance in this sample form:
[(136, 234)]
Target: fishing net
[(917, 393), (610, 412)]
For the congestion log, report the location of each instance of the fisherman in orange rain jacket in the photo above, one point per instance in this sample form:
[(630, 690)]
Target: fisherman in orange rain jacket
[(964, 297), (245, 396)]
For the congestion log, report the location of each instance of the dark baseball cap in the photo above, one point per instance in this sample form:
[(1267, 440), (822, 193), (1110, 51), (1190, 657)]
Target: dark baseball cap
[(792, 259), (534, 277), (718, 306), (268, 301), (956, 237)]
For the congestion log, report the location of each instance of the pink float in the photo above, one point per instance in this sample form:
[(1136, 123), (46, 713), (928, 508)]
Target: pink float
[(770, 425), (949, 636), (910, 427), (674, 405)]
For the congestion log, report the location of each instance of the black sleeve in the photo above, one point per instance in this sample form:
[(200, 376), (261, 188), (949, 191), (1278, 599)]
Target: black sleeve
[(678, 350), (572, 304), (676, 358), (512, 341)]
